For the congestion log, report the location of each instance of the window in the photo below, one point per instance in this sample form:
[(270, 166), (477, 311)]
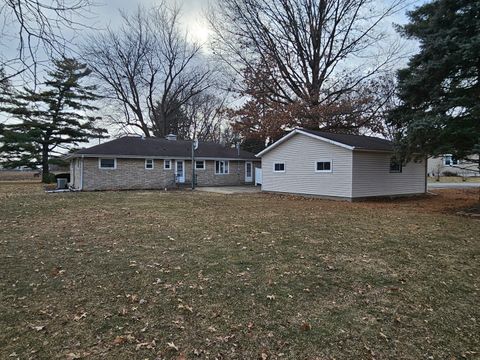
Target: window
[(323, 166), (449, 160), (395, 165), (107, 163), (167, 164), (149, 164), (200, 165), (279, 167), (221, 167)]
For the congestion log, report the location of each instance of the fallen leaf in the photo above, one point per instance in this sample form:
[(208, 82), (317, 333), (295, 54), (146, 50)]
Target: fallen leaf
[(80, 317), (172, 346), (71, 356), (305, 326), (38, 328)]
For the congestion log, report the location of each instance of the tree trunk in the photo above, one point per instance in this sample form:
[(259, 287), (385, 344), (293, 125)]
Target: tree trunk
[(45, 167)]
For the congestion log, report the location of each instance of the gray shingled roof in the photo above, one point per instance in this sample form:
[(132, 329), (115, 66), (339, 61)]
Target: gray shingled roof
[(158, 147), (359, 142)]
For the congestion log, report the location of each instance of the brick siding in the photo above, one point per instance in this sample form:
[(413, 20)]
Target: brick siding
[(131, 174)]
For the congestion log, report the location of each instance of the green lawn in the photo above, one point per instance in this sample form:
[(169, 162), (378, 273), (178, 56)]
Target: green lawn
[(153, 275)]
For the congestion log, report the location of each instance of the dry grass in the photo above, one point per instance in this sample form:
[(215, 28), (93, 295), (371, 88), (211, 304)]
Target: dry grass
[(147, 275), (15, 176), (455, 179)]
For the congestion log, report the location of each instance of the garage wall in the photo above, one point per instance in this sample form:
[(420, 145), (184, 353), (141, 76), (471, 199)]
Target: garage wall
[(372, 176), (300, 154)]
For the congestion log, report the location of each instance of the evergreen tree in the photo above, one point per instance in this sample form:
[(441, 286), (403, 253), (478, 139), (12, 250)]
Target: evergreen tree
[(50, 120), (440, 89)]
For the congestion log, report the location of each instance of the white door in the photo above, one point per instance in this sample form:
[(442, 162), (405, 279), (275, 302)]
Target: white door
[(180, 171), (248, 171)]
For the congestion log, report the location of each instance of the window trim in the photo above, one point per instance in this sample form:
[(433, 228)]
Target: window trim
[(279, 171), (323, 161), (227, 167), (200, 169), (169, 164), (107, 168), (451, 160), (153, 164)]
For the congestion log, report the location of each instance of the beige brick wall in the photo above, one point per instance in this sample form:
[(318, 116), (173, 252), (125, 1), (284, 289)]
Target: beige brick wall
[(207, 177), (131, 174)]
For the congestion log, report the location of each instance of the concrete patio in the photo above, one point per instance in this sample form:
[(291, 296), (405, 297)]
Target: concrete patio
[(228, 190)]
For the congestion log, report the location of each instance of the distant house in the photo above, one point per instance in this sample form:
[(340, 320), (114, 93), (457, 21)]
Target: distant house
[(338, 166), (447, 164), (155, 163)]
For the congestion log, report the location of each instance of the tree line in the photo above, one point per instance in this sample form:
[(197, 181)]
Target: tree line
[(270, 66)]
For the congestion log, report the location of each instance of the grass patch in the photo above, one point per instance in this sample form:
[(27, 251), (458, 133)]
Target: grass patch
[(454, 179), (177, 275)]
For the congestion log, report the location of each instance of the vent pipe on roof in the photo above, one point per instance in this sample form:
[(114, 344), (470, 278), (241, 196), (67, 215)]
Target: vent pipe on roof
[(171, 137)]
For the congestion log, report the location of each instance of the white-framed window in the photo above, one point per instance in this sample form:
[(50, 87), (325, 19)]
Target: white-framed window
[(449, 160), (149, 164), (279, 167), (107, 163), (199, 164), (221, 167), (323, 166), (167, 164), (395, 165)]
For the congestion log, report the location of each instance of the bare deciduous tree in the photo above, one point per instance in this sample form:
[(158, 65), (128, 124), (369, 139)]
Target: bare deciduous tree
[(37, 27), (149, 68), (314, 53), (206, 118)]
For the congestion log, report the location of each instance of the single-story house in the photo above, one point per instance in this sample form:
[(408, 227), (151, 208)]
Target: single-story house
[(134, 162), (448, 164), (340, 166)]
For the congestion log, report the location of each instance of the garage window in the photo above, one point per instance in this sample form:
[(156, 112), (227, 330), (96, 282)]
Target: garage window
[(279, 167), (323, 166), (395, 165)]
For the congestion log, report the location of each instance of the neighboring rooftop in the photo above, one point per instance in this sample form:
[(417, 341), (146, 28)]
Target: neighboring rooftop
[(136, 146)]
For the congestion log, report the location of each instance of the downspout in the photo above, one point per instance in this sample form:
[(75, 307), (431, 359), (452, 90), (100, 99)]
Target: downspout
[(426, 178), (81, 175)]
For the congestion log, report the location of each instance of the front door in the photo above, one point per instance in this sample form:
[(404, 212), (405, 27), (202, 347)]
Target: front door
[(180, 171), (248, 172)]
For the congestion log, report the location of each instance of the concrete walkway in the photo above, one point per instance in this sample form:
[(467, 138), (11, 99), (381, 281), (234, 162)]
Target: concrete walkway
[(230, 189), (461, 185)]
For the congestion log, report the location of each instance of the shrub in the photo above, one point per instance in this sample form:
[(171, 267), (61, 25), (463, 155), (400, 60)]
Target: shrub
[(49, 178), (449, 173)]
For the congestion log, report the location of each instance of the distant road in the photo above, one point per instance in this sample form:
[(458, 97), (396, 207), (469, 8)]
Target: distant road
[(461, 185)]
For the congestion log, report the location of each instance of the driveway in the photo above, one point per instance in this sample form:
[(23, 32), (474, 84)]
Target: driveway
[(230, 189), (460, 185)]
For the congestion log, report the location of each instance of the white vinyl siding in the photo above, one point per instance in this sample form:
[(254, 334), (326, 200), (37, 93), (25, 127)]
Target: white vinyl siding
[(300, 155), (372, 176)]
